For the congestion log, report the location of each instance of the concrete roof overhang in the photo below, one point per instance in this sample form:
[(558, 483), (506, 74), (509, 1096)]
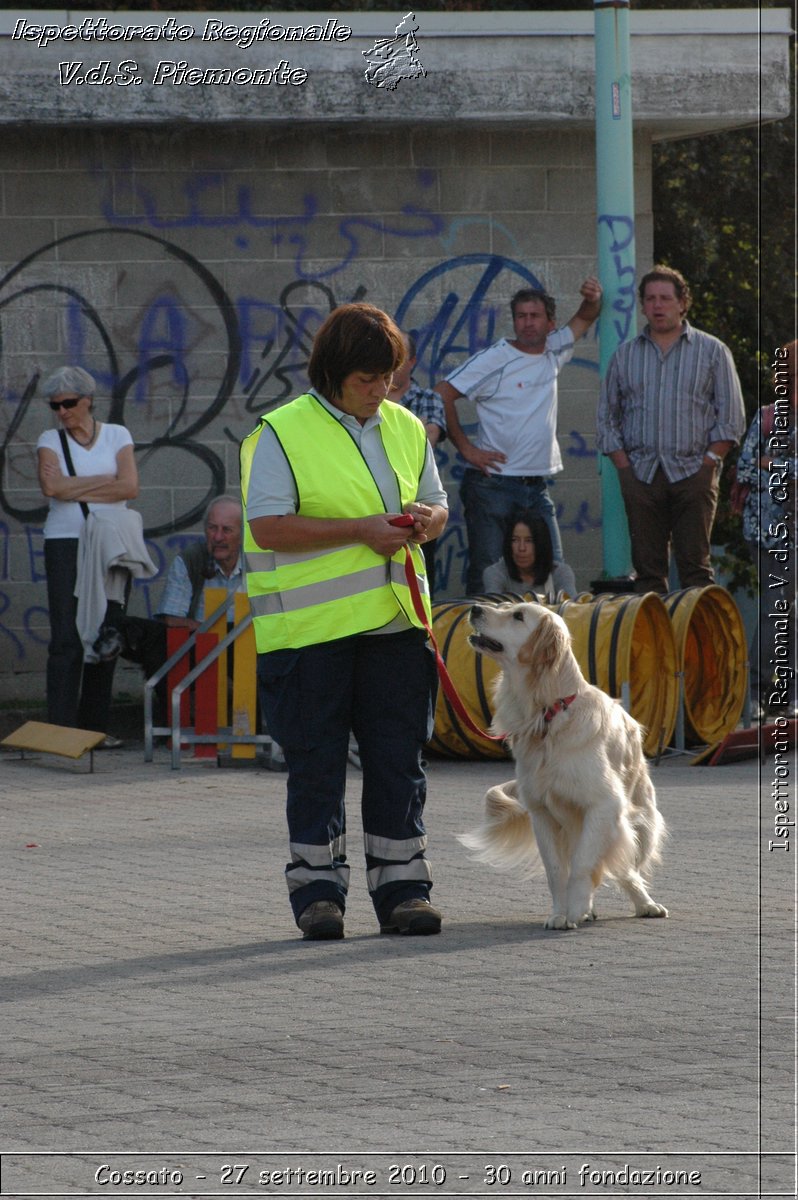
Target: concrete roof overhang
[(692, 71)]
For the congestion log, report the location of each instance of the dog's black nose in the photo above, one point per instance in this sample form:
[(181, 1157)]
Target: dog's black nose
[(476, 609)]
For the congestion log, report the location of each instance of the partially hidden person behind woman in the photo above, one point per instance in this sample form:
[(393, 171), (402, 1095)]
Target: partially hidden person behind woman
[(78, 694), (340, 643), (527, 562), (768, 464)]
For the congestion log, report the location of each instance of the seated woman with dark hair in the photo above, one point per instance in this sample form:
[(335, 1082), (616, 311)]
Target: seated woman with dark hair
[(527, 562)]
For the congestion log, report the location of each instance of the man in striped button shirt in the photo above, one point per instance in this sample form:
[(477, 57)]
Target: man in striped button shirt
[(670, 410)]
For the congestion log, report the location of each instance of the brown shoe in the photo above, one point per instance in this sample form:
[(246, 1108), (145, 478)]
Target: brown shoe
[(413, 916), (322, 920)]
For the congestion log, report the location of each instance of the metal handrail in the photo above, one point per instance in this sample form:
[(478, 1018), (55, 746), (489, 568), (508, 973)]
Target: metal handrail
[(150, 730)]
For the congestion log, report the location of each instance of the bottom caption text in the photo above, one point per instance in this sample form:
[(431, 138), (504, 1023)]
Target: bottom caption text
[(378, 1174)]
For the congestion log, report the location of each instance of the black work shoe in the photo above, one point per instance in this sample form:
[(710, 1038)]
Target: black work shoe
[(322, 921), (413, 916), (109, 644)]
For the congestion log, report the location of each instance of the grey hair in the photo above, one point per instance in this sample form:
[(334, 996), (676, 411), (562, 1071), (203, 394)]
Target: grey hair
[(69, 379), (222, 500)]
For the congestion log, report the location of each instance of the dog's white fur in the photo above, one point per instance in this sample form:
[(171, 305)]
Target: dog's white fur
[(583, 803)]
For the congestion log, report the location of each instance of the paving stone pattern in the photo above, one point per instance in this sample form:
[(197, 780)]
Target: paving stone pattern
[(160, 1002)]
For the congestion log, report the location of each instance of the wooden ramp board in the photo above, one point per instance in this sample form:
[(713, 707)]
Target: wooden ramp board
[(53, 739), (747, 743)]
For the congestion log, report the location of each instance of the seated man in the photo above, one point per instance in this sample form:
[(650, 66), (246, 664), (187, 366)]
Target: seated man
[(216, 562)]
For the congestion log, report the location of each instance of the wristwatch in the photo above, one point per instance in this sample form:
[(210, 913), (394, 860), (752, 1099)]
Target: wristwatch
[(716, 458)]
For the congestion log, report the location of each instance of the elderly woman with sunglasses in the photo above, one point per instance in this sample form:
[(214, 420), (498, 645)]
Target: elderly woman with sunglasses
[(78, 694)]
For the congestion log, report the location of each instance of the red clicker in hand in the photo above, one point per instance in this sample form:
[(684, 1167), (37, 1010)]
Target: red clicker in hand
[(405, 519)]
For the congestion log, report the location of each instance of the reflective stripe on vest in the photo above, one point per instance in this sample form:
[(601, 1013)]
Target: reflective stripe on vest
[(326, 591), (301, 598)]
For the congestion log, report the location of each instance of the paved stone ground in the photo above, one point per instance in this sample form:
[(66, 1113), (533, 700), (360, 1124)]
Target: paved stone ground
[(161, 1011)]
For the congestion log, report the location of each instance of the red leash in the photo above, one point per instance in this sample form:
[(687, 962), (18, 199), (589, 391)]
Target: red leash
[(447, 683)]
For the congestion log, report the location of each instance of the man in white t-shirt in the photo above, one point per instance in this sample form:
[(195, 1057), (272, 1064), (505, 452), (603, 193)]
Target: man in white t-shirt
[(514, 386)]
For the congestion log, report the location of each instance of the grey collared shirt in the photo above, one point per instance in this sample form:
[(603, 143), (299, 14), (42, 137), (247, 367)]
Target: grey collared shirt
[(664, 409)]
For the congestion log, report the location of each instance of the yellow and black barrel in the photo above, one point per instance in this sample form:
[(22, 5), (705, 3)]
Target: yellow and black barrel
[(617, 640), (472, 674), (628, 640), (713, 658)]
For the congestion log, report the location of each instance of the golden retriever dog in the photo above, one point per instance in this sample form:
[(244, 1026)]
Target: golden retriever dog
[(583, 803)]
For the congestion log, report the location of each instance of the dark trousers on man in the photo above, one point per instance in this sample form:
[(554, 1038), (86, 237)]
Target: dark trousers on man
[(489, 502), (664, 515), (78, 694), (144, 642), (381, 687)]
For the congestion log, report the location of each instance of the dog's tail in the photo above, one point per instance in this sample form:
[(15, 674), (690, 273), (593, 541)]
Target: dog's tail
[(505, 838), (650, 833)]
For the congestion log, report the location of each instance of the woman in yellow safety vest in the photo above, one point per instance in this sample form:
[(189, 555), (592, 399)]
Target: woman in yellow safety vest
[(340, 635)]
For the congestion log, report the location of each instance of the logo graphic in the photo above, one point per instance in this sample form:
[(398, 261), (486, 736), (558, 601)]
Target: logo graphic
[(396, 58)]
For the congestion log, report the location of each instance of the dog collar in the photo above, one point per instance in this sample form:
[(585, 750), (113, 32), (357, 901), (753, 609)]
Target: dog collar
[(557, 707)]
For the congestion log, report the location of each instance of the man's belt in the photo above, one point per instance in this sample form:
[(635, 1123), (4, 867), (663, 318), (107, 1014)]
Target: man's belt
[(527, 479)]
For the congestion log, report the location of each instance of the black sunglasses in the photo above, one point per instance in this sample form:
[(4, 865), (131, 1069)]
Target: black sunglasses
[(70, 403)]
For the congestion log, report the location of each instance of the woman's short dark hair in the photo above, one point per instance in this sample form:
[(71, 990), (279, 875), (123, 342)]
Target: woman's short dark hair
[(541, 538), (355, 337)]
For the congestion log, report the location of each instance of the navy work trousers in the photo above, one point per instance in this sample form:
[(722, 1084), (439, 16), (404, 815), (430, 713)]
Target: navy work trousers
[(382, 688)]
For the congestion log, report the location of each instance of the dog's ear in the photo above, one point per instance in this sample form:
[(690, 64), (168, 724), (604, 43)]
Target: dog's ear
[(545, 647)]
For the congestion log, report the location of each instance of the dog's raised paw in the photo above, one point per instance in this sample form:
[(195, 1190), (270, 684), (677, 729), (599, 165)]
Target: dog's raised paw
[(652, 910)]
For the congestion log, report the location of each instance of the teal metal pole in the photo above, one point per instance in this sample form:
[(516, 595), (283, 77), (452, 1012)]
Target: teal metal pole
[(615, 208)]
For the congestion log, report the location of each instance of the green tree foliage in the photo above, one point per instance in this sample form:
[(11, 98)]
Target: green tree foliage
[(724, 214)]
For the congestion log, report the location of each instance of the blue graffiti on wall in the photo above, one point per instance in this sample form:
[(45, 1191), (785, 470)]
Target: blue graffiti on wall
[(180, 433), (621, 231), (261, 350), (214, 201)]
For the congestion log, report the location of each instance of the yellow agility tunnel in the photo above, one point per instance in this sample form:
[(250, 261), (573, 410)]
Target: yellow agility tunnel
[(624, 645), (617, 640), (643, 641), (472, 674), (713, 658)]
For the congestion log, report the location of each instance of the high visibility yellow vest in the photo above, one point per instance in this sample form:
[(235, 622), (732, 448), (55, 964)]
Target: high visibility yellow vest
[(302, 598)]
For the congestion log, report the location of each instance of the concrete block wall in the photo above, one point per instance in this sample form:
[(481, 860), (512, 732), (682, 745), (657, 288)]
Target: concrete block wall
[(188, 269)]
